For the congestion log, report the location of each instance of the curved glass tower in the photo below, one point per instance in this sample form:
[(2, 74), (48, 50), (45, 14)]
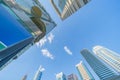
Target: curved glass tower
[(102, 71), (32, 15), (14, 38), (108, 56), (66, 8), (23, 23)]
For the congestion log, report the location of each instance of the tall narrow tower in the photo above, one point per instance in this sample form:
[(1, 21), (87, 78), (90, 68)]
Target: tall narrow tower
[(84, 72), (66, 8), (61, 76), (24, 77), (72, 77), (24, 22), (102, 71), (108, 56), (14, 39), (38, 74)]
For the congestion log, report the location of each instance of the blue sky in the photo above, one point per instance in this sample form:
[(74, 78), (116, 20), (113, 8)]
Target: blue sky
[(97, 23)]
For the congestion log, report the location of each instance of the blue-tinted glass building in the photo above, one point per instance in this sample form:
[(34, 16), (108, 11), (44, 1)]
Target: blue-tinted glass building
[(61, 4), (102, 71), (110, 57), (84, 73), (14, 38), (23, 23), (39, 73), (61, 76), (24, 77), (66, 8), (32, 15), (72, 77)]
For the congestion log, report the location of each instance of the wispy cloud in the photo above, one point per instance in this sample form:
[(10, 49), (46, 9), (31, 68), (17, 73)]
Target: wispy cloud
[(67, 50), (46, 53), (50, 38), (41, 42)]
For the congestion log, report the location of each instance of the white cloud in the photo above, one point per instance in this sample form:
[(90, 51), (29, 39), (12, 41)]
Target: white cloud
[(50, 38), (67, 50), (41, 42), (46, 53), (45, 39)]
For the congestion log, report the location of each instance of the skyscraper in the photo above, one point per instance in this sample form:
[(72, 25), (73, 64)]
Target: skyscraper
[(14, 39), (66, 8), (24, 77), (102, 71), (32, 15), (72, 77), (84, 72), (61, 76), (24, 22), (38, 74), (61, 4), (108, 56)]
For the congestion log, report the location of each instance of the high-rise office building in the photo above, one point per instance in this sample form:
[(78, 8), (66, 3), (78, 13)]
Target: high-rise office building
[(39, 73), (32, 15), (66, 8), (61, 76), (61, 4), (102, 71), (14, 39), (72, 77), (23, 23), (24, 77), (108, 56), (84, 73)]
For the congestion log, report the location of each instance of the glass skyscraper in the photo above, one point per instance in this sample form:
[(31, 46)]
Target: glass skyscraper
[(61, 4), (32, 15), (72, 77), (102, 71), (66, 8), (39, 73), (23, 23), (24, 77), (14, 39), (108, 56), (84, 72), (61, 76)]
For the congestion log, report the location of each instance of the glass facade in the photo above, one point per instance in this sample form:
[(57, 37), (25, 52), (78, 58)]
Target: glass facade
[(2, 46), (32, 15), (84, 72), (102, 71), (66, 8), (12, 52), (72, 77), (39, 73), (61, 76), (14, 38), (24, 77), (61, 4), (108, 56), (11, 31)]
